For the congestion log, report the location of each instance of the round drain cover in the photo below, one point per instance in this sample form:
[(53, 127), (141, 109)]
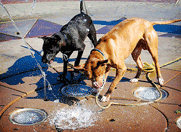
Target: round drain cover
[(76, 90), (178, 122), (28, 116), (149, 93)]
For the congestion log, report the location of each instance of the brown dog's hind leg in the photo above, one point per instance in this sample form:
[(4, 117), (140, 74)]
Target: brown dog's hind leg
[(152, 40), (154, 54), (137, 58), (119, 74)]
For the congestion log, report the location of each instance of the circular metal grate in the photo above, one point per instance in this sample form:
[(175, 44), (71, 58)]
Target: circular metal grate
[(178, 122), (149, 93), (28, 116), (76, 90)]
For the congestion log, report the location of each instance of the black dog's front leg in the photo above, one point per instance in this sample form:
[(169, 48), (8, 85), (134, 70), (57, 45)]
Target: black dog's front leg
[(78, 58), (65, 62), (80, 47), (77, 62)]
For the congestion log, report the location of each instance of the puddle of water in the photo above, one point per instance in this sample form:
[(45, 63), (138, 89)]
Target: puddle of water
[(72, 118)]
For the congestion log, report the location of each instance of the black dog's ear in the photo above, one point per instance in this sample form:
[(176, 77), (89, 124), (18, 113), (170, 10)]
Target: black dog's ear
[(44, 37), (57, 37)]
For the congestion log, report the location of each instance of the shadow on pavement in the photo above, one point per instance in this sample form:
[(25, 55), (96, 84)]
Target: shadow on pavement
[(27, 67)]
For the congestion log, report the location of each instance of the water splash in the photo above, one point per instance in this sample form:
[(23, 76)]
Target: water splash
[(72, 118), (33, 6)]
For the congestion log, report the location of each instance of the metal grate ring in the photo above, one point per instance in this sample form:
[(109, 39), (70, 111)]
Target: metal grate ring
[(76, 90), (178, 122), (28, 116), (149, 93)]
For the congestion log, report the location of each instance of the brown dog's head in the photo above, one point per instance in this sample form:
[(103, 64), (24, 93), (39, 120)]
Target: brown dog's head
[(95, 70)]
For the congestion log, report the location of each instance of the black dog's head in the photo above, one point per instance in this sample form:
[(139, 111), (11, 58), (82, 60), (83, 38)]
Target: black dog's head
[(51, 47)]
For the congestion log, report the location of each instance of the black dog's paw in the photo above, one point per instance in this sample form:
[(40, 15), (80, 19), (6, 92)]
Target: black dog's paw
[(62, 79), (76, 77), (46, 99)]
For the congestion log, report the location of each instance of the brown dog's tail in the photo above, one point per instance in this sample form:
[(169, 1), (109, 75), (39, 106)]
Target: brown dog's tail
[(166, 22)]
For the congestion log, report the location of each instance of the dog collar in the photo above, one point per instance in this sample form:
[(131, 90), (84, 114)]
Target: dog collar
[(99, 52), (62, 35)]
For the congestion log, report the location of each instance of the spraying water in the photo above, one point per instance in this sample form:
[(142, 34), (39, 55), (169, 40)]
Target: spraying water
[(32, 55), (72, 118), (33, 6)]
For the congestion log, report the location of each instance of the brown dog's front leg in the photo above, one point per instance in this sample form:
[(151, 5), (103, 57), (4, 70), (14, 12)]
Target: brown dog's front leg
[(119, 74)]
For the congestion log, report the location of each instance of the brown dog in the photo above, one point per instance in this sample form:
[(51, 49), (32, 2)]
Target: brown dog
[(128, 37)]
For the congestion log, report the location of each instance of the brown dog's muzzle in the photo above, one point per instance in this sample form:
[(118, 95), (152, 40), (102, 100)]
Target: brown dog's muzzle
[(97, 85)]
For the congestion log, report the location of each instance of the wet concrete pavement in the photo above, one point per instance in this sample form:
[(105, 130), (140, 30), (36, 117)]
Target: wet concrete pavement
[(21, 82), (152, 117)]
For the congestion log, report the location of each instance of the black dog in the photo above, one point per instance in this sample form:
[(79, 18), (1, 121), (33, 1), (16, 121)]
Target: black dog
[(70, 38)]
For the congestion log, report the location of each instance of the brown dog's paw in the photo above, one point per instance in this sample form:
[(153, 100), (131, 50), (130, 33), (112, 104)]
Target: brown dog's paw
[(134, 80), (105, 98), (161, 81)]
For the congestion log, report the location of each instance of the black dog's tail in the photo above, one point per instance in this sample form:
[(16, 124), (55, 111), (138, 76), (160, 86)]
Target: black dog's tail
[(81, 7)]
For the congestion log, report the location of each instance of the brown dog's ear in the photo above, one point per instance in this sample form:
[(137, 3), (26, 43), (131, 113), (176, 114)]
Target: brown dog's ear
[(80, 67), (102, 62)]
